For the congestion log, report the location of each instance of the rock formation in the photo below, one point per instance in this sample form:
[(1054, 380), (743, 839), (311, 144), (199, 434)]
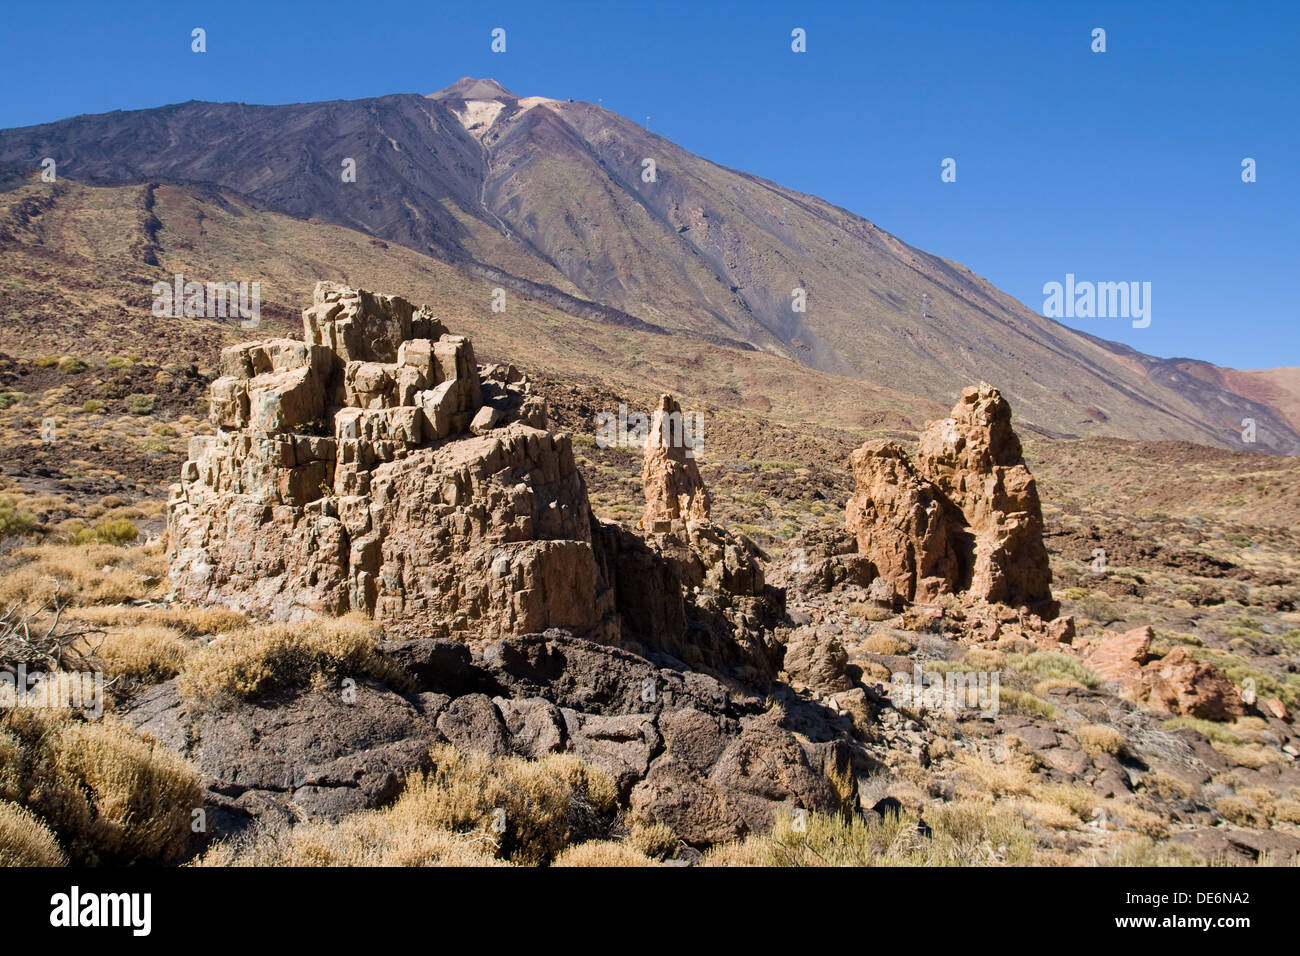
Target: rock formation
[(674, 490), (369, 468), (974, 457), (965, 517), (376, 467), (905, 525), (727, 605)]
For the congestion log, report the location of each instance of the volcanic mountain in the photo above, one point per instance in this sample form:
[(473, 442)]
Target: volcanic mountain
[(577, 208)]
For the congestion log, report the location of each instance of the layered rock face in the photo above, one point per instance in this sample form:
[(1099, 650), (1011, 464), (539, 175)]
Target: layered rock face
[(964, 517), (370, 468)]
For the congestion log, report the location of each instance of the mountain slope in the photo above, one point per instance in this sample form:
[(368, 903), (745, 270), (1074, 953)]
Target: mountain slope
[(548, 198)]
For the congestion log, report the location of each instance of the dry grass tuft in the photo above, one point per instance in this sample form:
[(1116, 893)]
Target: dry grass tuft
[(148, 653), (655, 840), (603, 853), (1098, 739), (965, 833), (25, 840), (887, 644), (470, 810), (84, 574), (108, 793), (262, 660)]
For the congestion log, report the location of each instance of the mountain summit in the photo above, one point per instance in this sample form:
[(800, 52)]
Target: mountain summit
[(574, 204), (468, 88)]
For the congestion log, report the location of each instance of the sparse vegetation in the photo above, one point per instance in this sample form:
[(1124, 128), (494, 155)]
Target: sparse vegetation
[(107, 794), (260, 660)]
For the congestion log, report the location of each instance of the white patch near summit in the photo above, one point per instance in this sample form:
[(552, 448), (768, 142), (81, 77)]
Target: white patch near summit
[(481, 114)]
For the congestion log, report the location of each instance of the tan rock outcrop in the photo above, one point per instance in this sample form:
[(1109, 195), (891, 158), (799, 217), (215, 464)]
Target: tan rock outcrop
[(674, 490), (975, 458), (904, 525), (1177, 683), (344, 475), (964, 517)]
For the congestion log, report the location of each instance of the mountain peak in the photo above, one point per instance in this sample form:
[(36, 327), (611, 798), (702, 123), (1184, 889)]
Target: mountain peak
[(470, 88)]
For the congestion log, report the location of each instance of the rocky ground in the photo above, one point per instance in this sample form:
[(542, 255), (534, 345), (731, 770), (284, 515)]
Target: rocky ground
[(761, 717)]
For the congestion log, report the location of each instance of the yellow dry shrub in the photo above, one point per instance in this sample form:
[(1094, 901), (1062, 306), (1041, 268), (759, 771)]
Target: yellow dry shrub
[(1012, 701), (110, 794), (1012, 775), (532, 808), (1168, 786), (1132, 817), (83, 574), (1079, 801), (870, 612), (147, 652), (874, 671), (25, 840), (1287, 811), (1046, 686), (369, 838), (449, 817), (1140, 851), (1050, 814), (261, 660), (187, 621), (1251, 756), (964, 833), (602, 853), (653, 839), (1099, 739), (879, 643), (751, 851), (985, 659)]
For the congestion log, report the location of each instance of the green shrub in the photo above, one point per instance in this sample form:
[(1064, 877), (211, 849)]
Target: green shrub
[(92, 406), (70, 365), (138, 404), (1051, 664), (13, 520), (116, 531)]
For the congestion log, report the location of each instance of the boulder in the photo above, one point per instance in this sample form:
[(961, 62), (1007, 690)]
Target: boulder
[(1119, 658), (1181, 684), (816, 660)]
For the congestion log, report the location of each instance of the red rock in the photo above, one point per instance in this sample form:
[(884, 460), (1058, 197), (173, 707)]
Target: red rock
[(1271, 705), (1119, 658), (1181, 684)]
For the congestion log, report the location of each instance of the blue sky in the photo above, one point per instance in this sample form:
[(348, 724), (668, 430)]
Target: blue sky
[(1115, 166)]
